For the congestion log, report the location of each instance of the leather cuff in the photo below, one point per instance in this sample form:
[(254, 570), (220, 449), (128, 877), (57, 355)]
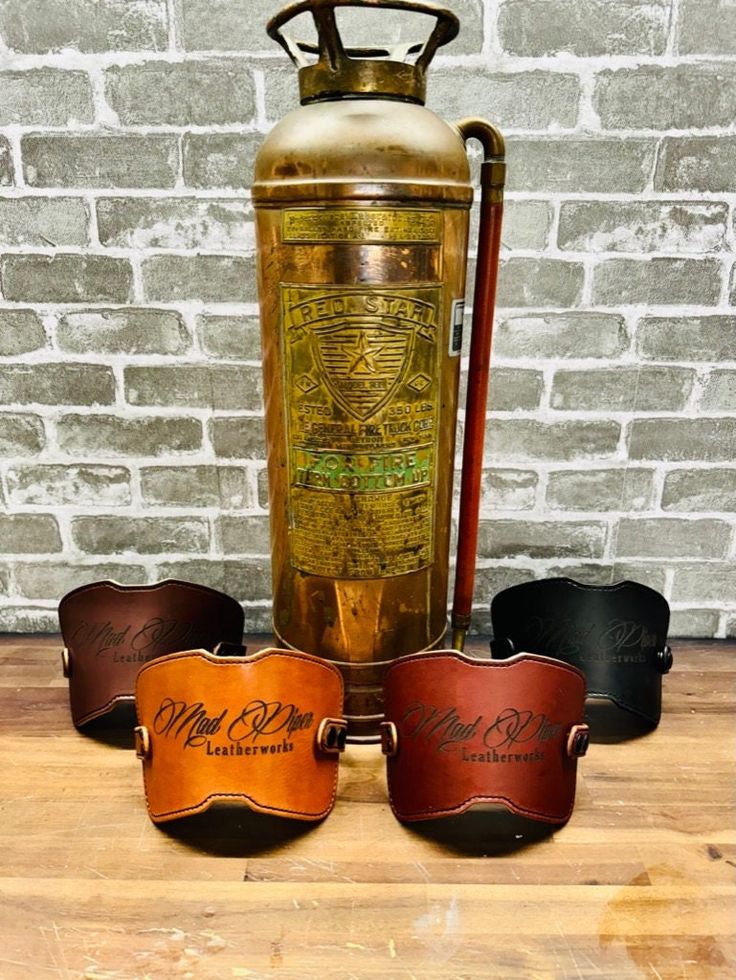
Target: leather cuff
[(264, 730), (111, 630), (461, 733), (615, 634)]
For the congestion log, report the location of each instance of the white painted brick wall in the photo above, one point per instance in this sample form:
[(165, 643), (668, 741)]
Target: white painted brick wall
[(130, 398)]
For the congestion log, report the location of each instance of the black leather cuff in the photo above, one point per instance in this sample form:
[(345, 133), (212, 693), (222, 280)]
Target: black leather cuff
[(615, 634)]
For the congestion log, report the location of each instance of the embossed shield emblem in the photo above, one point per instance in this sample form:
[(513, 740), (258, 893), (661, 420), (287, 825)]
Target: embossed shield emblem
[(363, 362)]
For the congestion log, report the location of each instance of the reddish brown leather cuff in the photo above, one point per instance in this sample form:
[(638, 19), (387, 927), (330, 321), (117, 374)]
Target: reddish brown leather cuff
[(461, 733), (264, 730), (111, 630)]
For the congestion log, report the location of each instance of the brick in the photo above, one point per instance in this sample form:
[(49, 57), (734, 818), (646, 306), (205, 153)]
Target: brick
[(707, 440), (656, 97), (45, 97), (239, 438), (560, 335), (652, 574), (508, 489), (4, 580), (217, 226), (199, 93), (541, 539), (693, 623), (202, 386), (243, 580), (225, 25), (43, 222), (706, 489), (263, 491), (21, 435), (47, 580), (707, 27), (6, 163), (623, 389), (540, 282), (21, 331), (731, 628), (720, 393), (208, 278), (228, 487), (702, 338), (698, 163), (109, 435), (230, 337), (512, 389), (519, 100), (658, 281), (642, 226), (57, 384), (282, 89), (220, 159), (509, 440), (66, 278), (114, 161), (732, 289), (671, 537), (533, 28), (27, 534), (239, 25), (140, 535), (99, 486), (85, 25), (704, 582), (491, 581), (25, 619), (123, 331), (526, 224), (610, 165), (624, 489), (244, 535)]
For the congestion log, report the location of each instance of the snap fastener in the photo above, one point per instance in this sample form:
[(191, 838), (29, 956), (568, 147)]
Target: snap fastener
[(332, 735), (142, 742), (66, 665), (665, 660), (389, 738), (578, 740)]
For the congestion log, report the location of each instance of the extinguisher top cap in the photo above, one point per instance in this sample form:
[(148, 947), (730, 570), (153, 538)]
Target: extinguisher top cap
[(348, 72)]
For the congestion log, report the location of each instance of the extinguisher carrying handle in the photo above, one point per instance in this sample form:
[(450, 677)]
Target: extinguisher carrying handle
[(493, 175)]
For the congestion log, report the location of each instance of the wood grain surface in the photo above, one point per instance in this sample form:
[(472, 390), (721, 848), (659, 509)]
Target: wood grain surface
[(640, 883)]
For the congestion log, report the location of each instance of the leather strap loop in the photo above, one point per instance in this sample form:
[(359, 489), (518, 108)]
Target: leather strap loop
[(617, 635), (265, 730), (111, 630), (461, 733)]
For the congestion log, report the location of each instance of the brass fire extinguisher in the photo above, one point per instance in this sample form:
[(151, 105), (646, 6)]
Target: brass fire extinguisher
[(362, 202)]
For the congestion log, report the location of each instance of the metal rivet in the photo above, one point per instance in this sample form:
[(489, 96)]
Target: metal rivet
[(66, 665), (578, 740), (142, 742), (389, 738)]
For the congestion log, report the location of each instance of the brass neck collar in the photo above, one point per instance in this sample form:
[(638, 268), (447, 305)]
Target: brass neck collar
[(362, 78)]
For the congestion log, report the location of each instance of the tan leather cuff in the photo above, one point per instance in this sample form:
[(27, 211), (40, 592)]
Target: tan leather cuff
[(111, 630), (461, 733), (266, 730)]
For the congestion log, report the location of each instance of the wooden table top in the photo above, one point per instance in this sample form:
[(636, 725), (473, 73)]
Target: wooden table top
[(640, 883)]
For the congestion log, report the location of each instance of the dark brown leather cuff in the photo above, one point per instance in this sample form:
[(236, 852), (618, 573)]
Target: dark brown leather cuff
[(111, 630), (461, 733), (264, 730)]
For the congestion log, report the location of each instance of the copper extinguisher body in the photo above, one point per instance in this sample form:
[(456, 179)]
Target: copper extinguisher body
[(362, 205)]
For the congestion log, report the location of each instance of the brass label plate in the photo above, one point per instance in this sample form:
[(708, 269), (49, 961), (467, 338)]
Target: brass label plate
[(364, 225), (362, 389)]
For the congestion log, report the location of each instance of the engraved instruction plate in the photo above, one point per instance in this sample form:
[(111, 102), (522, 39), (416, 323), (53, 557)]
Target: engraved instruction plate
[(361, 225), (361, 370)]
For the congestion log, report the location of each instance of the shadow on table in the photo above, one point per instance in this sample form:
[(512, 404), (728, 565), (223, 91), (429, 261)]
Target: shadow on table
[(232, 830), (115, 728), (489, 832)]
